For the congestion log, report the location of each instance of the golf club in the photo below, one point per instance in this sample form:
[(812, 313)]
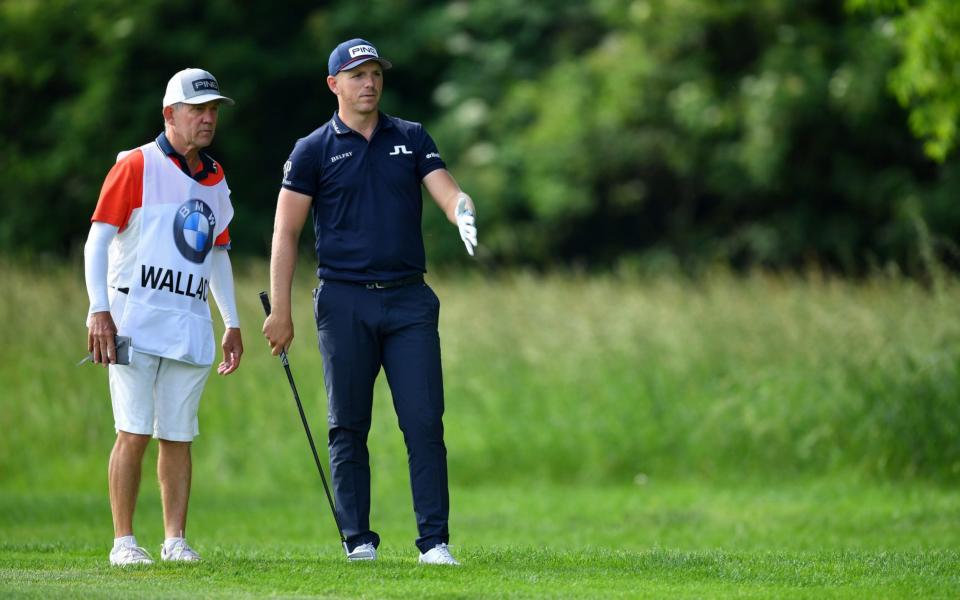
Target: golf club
[(306, 427)]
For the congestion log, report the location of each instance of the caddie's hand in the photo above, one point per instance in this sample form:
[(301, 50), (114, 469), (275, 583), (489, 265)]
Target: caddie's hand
[(466, 222), (101, 332), (279, 332), (232, 351)]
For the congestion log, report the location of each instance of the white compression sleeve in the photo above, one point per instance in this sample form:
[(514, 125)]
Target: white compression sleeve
[(95, 260), (221, 284)]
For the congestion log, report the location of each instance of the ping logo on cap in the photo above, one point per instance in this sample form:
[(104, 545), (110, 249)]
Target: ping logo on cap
[(202, 85), (364, 50)]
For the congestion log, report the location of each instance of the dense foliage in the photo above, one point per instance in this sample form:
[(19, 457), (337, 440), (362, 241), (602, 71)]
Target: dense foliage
[(631, 134)]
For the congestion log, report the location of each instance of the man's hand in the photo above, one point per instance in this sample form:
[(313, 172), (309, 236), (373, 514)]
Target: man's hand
[(101, 332), (279, 332), (232, 351), (466, 223)]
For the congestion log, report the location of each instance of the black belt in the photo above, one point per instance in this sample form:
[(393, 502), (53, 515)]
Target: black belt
[(383, 285)]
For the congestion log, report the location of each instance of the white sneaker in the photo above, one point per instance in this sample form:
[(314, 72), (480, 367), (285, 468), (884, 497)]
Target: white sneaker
[(438, 555), (122, 556), (363, 552), (178, 551)]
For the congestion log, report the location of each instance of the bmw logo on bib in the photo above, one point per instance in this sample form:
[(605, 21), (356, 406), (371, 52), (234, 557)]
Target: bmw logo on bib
[(193, 230)]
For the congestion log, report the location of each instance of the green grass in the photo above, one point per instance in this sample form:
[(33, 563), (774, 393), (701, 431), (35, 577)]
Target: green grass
[(796, 539), (760, 436)]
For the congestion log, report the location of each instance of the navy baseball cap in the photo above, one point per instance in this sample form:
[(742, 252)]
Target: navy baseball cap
[(354, 52)]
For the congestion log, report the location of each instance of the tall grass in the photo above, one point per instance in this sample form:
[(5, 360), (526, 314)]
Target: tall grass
[(559, 378)]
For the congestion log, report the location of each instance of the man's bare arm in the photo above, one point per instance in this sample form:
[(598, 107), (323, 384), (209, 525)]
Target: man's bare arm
[(292, 211)]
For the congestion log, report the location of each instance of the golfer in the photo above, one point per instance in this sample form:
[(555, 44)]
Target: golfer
[(162, 214), (361, 173)]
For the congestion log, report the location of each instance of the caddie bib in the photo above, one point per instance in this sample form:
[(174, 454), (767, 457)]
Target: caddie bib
[(166, 312)]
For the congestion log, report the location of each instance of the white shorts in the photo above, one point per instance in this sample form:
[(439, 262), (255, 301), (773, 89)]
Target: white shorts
[(158, 396)]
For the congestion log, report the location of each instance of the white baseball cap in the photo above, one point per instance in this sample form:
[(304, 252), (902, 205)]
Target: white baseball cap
[(193, 86)]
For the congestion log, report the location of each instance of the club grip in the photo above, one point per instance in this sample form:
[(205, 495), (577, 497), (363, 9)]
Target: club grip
[(265, 300)]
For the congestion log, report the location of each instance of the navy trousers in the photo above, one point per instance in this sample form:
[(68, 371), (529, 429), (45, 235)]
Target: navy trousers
[(360, 330)]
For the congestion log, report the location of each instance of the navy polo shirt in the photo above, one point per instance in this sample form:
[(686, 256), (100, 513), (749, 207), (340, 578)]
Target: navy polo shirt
[(367, 204)]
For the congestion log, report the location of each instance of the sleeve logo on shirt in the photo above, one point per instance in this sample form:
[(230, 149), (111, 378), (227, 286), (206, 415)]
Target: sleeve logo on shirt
[(193, 229), (432, 155), (286, 172), (400, 150)]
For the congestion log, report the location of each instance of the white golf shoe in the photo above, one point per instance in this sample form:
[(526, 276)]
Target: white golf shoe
[(363, 552), (438, 555), (124, 555), (178, 551)]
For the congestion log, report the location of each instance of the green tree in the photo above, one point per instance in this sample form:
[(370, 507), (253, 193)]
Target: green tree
[(752, 132), (601, 133), (927, 77)]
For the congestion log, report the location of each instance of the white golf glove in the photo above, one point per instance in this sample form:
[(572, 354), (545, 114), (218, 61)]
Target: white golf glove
[(466, 223)]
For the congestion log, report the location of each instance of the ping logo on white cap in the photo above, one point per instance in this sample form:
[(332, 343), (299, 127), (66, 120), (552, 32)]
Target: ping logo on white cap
[(205, 85), (356, 51)]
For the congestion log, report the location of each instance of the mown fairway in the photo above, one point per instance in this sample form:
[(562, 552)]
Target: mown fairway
[(760, 437)]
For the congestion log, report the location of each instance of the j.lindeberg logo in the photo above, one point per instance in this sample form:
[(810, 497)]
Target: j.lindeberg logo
[(205, 84), (400, 150)]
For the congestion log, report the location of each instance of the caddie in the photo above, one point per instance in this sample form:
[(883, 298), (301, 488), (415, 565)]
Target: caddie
[(157, 249)]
